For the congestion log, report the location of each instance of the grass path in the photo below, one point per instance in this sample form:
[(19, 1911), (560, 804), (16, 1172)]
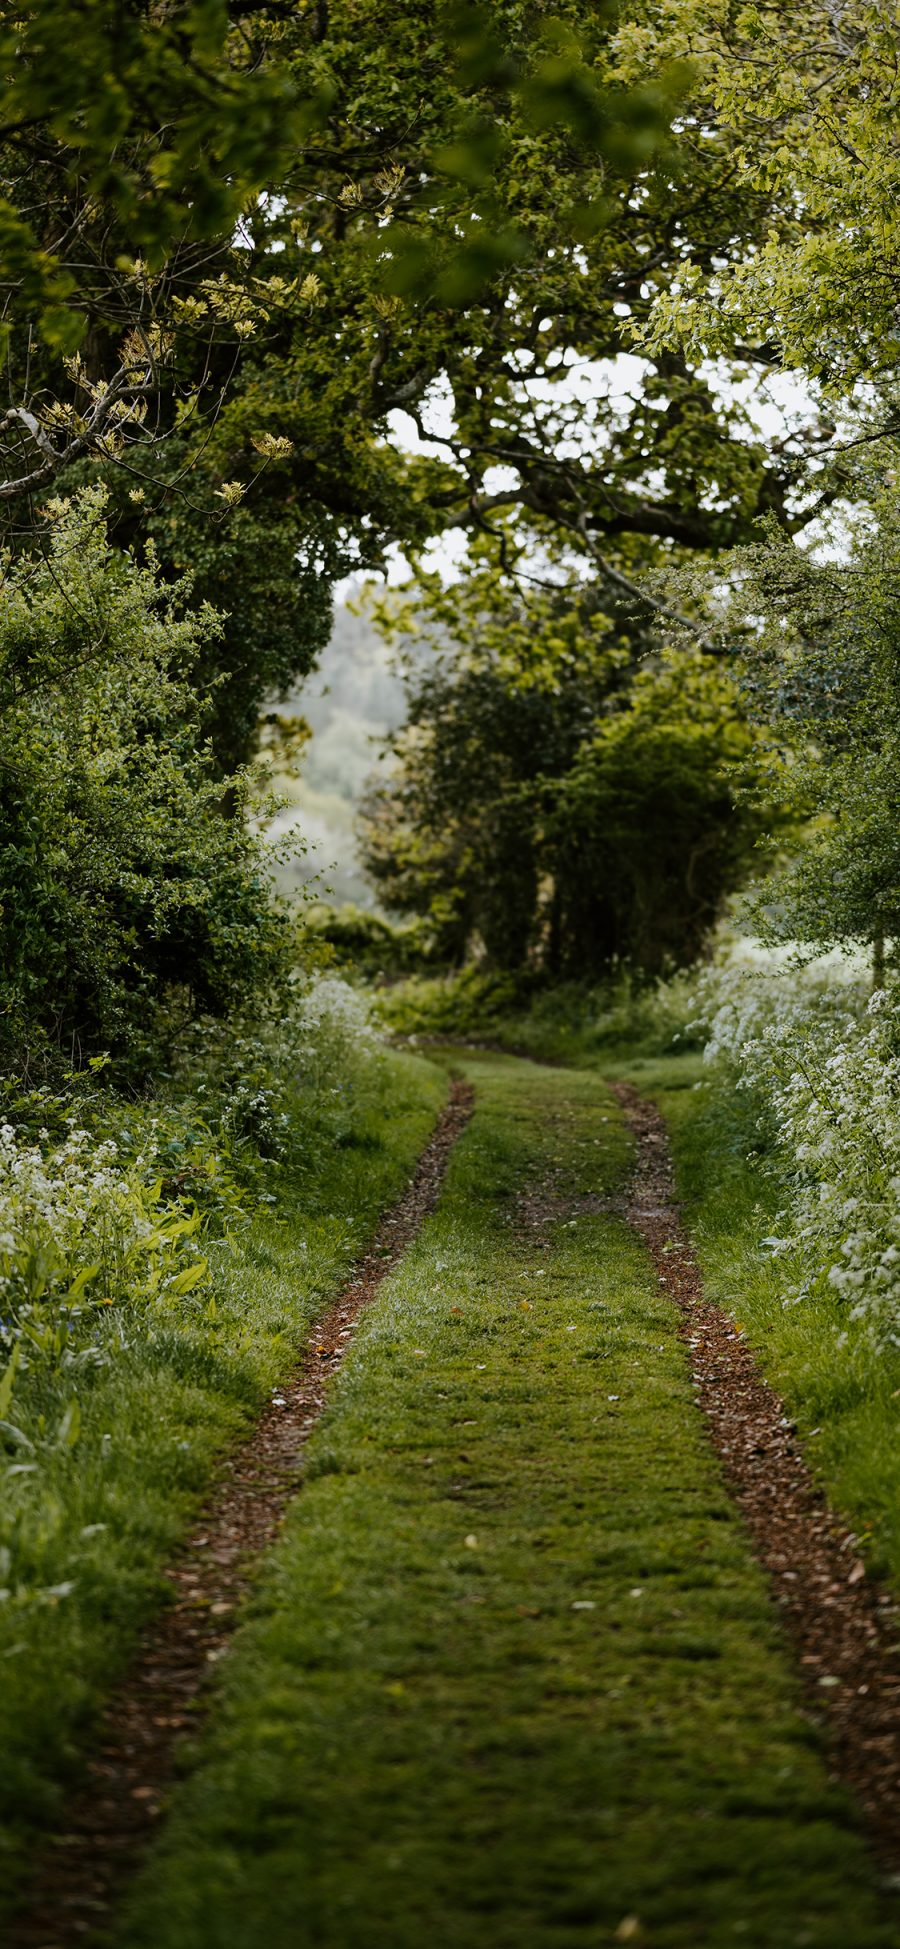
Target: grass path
[(511, 1676)]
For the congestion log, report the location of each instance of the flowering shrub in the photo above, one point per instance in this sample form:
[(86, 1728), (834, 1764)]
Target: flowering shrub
[(334, 1029), (106, 1209), (111, 1207), (755, 996), (263, 1088), (823, 1064), (84, 1226)]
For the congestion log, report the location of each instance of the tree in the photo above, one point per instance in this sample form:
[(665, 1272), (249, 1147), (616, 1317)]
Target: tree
[(132, 140), (809, 98), (651, 831), (555, 801), (821, 657), (476, 201)]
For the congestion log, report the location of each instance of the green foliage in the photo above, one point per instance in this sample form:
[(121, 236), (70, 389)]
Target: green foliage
[(838, 1382), (810, 98), (271, 232), (365, 941), (88, 1224), (361, 207), (560, 1022), (467, 1004), (169, 118), (648, 834), (554, 802), (129, 888), (275, 608), (95, 1500), (818, 632)]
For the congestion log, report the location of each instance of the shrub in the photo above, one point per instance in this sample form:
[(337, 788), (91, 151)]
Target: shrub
[(575, 818), (824, 1066), (366, 941), (132, 891)]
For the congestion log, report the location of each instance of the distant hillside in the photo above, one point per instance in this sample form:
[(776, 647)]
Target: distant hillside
[(352, 701)]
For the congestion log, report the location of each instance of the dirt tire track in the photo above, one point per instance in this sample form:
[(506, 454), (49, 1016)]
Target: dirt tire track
[(106, 1829), (845, 1628)]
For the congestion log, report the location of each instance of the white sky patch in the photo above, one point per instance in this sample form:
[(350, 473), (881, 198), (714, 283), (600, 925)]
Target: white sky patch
[(574, 413)]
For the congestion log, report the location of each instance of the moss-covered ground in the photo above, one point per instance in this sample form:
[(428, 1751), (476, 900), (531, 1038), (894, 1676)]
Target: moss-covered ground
[(511, 1677)]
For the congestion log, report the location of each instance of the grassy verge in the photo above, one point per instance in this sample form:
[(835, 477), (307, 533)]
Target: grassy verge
[(90, 1523), (843, 1390), (511, 1675)]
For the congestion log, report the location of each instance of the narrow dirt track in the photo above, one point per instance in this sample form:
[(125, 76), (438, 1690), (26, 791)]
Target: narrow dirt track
[(106, 1829), (845, 1628)]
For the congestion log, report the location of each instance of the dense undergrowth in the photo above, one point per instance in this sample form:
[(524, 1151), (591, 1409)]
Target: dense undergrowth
[(556, 1022), (160, 1260)]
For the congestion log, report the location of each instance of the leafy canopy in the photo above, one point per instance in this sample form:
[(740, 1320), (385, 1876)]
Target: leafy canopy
[(809, 97)]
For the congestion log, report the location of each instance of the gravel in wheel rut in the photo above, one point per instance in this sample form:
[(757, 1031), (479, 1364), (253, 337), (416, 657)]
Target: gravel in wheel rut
[(105, 1830), (845, 1628)]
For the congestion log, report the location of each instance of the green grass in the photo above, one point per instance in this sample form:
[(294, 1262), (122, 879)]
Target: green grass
[(573, 1022), (843, 1390), (104, 1514), (511, 1677)]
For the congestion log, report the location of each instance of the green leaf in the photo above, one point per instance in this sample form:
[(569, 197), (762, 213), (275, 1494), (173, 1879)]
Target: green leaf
[(6, 1384), (81, 1280), (70, 1426), (184, 1282)]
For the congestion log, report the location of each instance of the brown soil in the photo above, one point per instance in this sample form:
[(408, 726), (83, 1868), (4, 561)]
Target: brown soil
[(108, 1826), (845, 1628)]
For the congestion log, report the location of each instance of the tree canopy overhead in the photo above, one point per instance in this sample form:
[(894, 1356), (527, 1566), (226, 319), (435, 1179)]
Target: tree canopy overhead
[(239, 239), (302, 218), (808, 99), (265, 231)]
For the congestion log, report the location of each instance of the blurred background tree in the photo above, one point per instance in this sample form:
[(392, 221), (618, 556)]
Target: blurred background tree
[(563, 798)]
